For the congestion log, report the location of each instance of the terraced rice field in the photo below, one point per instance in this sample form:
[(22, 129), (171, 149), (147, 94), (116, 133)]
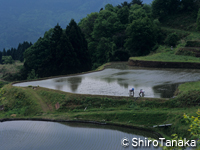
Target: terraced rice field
[(39, 135), (156, 82)]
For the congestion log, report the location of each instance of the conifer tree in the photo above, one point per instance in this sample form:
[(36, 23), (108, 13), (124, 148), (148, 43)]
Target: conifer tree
[(79, 44), (20, 50), (8, 52), (4, 52), (55, 46), (67, 57)]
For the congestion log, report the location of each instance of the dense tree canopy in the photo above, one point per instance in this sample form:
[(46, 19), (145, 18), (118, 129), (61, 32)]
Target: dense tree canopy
[(87, 25), (106, 27), (189, 5), (36, 57), (123, 15), (58, 52), (141, 36), (162, 8), (116, 32)]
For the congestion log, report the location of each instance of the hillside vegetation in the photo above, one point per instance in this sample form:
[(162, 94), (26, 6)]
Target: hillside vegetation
[(186, 46)]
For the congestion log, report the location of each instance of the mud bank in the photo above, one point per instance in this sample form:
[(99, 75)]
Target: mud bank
[(160, 64)]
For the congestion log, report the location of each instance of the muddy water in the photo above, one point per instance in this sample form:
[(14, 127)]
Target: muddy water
[(159, 83), (39, 135)]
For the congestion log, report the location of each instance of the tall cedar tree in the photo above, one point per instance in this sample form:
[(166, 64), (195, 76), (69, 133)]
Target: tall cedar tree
[(55, 55), (4, 52), (79, 44), (66, 57), (20, 50), (55, 46)]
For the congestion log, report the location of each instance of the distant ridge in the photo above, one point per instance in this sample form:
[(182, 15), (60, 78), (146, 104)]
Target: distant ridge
[(24, 20)]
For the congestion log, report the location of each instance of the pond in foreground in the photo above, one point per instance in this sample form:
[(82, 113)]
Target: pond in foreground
[(40, 135), (159, 83)]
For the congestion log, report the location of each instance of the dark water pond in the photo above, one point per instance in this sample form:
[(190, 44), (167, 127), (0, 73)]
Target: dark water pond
[(159, 83), (39, 135)]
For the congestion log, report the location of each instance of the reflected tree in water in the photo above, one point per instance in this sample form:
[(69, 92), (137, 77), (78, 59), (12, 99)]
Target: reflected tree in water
[(59, 87), (121, 82), (166, 90), (74, 82), (108, 79), (118, 80)]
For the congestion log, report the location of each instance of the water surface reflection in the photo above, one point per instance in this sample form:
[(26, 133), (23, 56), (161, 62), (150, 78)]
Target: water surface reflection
[(116, 82), (39, 135)]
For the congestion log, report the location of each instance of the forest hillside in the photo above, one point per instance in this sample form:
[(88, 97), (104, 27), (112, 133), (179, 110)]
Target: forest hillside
[(24, 20)]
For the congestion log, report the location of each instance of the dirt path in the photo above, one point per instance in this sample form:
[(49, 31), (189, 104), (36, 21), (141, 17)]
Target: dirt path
[(43, 105)]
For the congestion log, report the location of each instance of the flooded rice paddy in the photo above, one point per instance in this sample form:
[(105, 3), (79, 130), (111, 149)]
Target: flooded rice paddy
[(40, 135), (116, 81)]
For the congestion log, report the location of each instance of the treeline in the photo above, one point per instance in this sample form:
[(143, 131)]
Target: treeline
[(163, 8), (59, 52), (16, 54), (116, 33)]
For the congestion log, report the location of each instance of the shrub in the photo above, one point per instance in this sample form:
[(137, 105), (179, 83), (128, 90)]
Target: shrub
[(172, 39), (192, 44), (187, 99), (7, 60), (120, 55), (32, 75), (185, 52)]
